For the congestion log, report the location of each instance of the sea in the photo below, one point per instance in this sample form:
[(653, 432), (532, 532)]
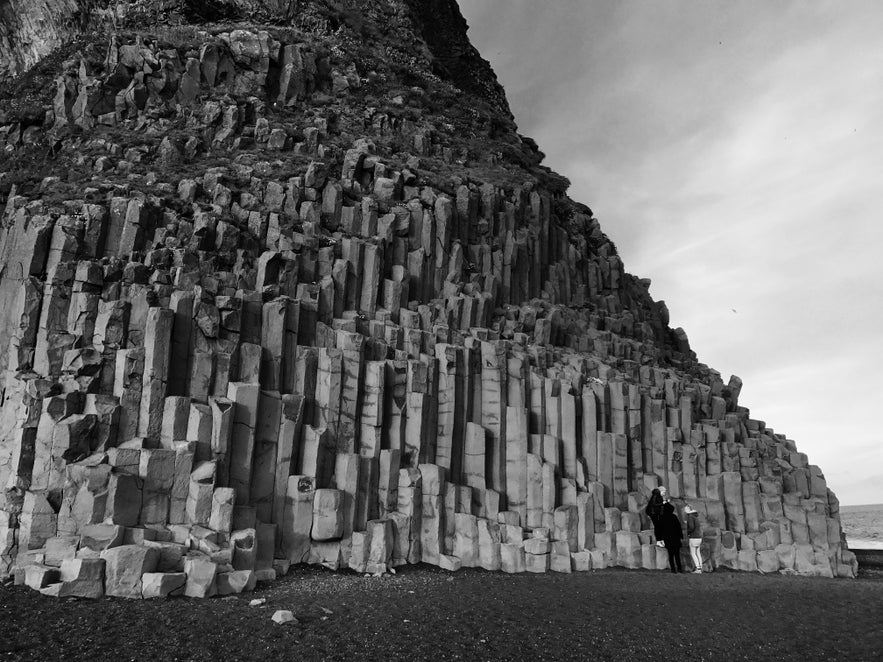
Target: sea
[(863, 526)]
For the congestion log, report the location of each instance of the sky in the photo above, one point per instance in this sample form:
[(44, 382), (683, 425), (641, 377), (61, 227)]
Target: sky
[(733, 151)]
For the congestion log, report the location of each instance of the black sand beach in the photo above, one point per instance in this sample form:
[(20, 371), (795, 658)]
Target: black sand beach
[(423, 613)]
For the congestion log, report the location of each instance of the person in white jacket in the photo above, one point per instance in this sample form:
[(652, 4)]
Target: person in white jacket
[(694, 534)]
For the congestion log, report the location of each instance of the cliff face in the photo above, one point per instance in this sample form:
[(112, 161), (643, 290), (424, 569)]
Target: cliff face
[(444, 29), (299, 292), (31, 29)]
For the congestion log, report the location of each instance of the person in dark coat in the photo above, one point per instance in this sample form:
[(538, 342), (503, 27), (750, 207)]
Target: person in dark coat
[(654, 512), (672, 536)]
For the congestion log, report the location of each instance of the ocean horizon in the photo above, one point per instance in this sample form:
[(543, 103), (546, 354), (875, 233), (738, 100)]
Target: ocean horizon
[(863, 525)]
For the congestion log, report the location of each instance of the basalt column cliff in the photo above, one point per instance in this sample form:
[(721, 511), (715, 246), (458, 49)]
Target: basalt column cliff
[(281, 283)]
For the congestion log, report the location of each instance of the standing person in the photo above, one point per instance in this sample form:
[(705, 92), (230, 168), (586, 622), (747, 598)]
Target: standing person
[(672, 536), (654, 512), (694, 535)]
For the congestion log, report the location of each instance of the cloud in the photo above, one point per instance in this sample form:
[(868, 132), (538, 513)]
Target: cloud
[(731, 151)]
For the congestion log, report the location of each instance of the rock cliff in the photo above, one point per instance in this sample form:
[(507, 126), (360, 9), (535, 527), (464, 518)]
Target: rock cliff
[(282, 283)]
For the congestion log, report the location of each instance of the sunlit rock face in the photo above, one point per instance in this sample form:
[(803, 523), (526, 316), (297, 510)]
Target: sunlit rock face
[(281, 283)]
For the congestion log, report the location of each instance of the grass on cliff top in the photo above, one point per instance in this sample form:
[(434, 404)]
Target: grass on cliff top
[(486, 146), (26, 97)]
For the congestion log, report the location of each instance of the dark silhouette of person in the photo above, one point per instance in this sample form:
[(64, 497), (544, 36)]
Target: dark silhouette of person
[(672, 536), (654, 512)]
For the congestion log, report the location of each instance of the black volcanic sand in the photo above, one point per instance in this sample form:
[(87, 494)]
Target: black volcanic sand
[(426, 614)]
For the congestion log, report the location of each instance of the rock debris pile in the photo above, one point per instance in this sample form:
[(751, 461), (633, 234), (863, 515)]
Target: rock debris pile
[(248, 342)]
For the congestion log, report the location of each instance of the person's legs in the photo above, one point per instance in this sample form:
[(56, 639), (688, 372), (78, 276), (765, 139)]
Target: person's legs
[(677, 553), (655, 520), (674, 560), (696, 553)]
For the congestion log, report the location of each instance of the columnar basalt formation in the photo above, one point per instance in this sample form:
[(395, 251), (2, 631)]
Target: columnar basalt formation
[(291, 295)]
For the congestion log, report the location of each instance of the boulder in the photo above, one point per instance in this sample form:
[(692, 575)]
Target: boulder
[(449, 563), (581, 561), (201, 577), (236, 581), (124, 567), (80, 578), (315, 176), (767, 561), (171, 554), (325, 553), (162, 584), (37, 575), (282, 616), (59, 549)]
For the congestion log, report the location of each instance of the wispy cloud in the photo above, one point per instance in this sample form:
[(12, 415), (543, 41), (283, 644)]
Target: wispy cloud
[(732, 152)]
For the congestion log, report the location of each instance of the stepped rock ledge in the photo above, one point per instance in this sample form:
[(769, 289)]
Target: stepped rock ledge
[(281, 283)]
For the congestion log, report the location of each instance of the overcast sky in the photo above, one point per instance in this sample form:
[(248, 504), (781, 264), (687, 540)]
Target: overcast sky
[(733, 151)]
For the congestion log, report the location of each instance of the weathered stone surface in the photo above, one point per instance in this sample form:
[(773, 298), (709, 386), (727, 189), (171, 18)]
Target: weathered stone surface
[(60, 548), (157, 470), (449, 563), (283, 616), (238, 581), (201, 483), (80, 578), (162, 584), (328, 515), (628, 549), (37, 522), (98, 537), (244, 544), (537, 563), (559, 560), (265, 455), (124, 567), (124, 497), (325, 553), (241, 454), (297, 520), (221, 518), (157, 350), (381, 536), (512, 558), (566, 527), (201, 577)]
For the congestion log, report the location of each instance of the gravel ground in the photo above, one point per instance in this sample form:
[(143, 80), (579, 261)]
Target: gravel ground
[(423, 613)]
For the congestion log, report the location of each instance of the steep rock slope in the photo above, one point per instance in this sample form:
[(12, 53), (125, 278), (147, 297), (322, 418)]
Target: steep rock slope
[(298, 291)]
